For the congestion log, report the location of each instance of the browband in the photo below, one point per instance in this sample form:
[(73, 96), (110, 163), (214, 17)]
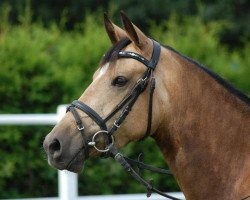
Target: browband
[(149, 63)]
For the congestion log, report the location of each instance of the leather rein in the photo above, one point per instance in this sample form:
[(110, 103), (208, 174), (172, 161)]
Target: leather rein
[(127, 103)]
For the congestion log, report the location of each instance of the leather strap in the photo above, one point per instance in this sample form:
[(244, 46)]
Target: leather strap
[(150, 107), (76, 116), (130, 95), (148, 184), (80, 128), (91, 113), (149, 63), (138, 89), (142, 165)]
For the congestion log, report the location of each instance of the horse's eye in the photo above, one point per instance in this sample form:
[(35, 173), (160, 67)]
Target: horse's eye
[(119, 81)]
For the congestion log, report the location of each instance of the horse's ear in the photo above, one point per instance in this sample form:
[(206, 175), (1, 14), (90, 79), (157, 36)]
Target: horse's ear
[(134, 33), (114, 32)]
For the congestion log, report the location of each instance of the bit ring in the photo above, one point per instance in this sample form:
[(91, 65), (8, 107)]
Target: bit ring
[(93, 143)]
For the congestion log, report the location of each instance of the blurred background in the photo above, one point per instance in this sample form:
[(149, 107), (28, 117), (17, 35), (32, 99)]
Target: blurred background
[(49, 50)]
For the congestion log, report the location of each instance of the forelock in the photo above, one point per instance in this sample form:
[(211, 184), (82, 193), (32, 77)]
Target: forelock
[(112, 54)]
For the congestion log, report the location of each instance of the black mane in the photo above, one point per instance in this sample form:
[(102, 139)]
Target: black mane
[(219, 79)]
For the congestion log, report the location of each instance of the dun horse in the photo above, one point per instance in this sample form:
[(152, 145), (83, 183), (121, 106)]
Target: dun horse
[(200, 122)]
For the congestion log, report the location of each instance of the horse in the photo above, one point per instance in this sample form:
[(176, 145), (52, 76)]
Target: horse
[(199, 121)]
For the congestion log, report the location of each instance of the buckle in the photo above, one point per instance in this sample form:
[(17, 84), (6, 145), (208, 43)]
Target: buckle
[(116, 125), (142, 79), (80, 127)]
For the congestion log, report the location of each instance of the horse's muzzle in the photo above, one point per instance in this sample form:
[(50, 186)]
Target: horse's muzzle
[(61, 157)]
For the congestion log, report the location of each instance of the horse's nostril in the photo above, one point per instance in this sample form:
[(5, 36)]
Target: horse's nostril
[(54, 146)]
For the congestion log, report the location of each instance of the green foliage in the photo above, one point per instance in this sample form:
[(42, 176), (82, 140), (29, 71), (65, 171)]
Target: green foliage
[(40, 68), (47, 11), (43, 67)]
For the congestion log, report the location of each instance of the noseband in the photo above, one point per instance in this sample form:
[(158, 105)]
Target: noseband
[(128, 103)]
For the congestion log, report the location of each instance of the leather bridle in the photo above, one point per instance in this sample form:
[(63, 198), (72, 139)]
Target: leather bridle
[(127, 103)]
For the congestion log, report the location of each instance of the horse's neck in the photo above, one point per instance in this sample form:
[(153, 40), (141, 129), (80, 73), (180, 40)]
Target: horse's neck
[(206, 136)]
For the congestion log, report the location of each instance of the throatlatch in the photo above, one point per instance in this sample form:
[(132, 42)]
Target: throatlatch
[(127, 102)]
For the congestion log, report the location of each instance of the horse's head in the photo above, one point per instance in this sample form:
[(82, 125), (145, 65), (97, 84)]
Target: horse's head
[(97, 119)]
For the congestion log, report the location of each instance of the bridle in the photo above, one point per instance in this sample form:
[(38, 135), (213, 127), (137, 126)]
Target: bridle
[(127, 103)]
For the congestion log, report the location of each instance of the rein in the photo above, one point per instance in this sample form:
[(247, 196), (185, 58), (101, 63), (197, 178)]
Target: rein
[(128, 102)]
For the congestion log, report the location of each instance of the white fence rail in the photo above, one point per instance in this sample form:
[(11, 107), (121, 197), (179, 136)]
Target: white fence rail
[(28, 119), (68, 181)]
